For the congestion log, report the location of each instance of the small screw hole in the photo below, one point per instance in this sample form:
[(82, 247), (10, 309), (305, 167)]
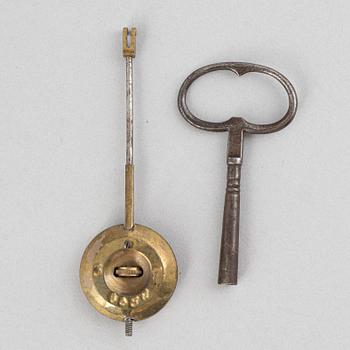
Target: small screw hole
[(127, 244)]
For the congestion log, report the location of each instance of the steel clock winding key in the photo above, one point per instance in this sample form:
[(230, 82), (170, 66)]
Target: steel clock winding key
[(236, 128), (128, 272)]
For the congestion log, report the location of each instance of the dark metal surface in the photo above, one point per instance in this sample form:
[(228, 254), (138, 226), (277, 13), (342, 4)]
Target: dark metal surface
[(236, 128)]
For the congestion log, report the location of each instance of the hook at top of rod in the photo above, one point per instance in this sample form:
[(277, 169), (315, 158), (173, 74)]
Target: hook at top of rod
[(129, 42)]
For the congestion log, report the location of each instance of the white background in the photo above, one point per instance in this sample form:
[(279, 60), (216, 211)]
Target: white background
[(62, 155)]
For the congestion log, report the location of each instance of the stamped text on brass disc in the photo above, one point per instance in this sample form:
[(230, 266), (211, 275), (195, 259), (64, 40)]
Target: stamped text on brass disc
[(128, 273)]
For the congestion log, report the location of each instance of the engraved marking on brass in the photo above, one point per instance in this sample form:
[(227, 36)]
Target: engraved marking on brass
[(123, 301), (114, 298), (135, 301), (145, 294), (135, 297)]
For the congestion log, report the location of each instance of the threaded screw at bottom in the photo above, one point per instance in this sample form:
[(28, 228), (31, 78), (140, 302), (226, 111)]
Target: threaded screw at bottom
[(128, 326)]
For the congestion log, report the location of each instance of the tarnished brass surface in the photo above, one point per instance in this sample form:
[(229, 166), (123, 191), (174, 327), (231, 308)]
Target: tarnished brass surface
[(136, 297), (131, 259), (129, 49), (128, 272), (129, 196)]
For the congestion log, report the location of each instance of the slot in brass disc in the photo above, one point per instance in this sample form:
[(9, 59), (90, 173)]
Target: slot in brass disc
[(128, 273)]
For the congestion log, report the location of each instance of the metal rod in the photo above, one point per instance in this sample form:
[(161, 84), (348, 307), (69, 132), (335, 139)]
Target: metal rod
[(129, 52), (129, 110)]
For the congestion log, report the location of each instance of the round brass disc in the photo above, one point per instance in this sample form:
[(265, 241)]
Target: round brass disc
[(128, 273)]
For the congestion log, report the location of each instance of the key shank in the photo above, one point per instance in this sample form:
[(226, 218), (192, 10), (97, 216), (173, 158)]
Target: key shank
[(228, 267)]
